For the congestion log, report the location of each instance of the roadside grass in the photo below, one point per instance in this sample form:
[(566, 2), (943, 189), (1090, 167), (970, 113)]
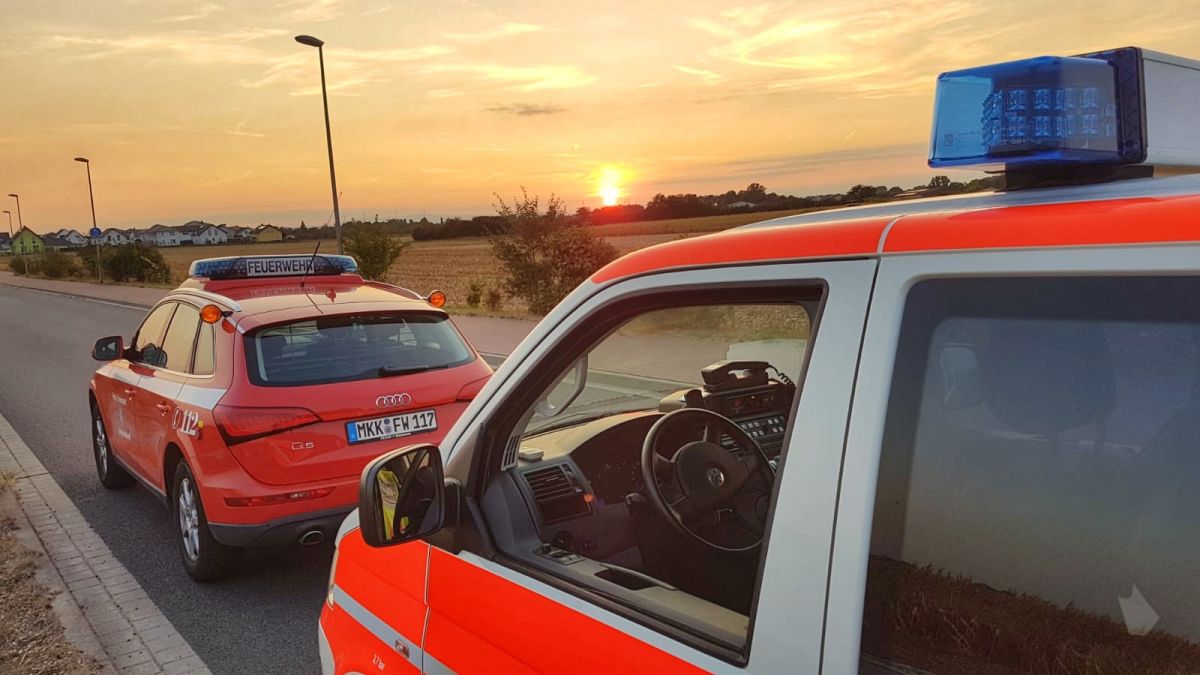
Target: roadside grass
[(31, 638)]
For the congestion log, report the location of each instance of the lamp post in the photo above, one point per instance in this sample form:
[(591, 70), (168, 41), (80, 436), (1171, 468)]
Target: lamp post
[(337, 215), (20, 223), (10, 230), (92, 199)]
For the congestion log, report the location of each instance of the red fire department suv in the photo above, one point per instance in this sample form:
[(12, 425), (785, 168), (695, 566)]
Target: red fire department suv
[(251, 397), (958, 435)]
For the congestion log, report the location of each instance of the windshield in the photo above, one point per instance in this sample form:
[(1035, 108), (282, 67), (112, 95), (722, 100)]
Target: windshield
[(662, 352), (348, 348)]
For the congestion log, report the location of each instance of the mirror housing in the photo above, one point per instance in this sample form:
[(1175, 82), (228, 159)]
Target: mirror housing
[(402, 496), (109, 348), (580, 368)]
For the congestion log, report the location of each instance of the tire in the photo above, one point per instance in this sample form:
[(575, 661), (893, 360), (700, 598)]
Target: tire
[(205, 558), (112, 475)]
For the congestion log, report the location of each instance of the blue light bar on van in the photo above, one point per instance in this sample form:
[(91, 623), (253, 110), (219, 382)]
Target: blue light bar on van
[(256, 266), (1047, 110)]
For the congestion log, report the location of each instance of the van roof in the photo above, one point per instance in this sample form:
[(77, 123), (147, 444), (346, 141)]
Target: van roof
[(1139, 211)]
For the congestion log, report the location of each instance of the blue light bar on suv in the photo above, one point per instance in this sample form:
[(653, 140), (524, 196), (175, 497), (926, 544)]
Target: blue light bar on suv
[(1045, 110), (256, 266)]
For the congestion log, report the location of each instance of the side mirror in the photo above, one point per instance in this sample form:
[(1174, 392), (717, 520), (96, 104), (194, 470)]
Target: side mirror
[(109, 348), (401, 496), (556, 400)]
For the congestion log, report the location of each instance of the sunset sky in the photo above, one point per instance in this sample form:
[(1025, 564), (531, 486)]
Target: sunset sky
[(210, 110)]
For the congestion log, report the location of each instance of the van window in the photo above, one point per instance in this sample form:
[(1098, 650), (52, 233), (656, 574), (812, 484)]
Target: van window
[(348, 348), (1039, 484)]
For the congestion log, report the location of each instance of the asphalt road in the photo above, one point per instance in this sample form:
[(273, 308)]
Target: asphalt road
[(261, 621)]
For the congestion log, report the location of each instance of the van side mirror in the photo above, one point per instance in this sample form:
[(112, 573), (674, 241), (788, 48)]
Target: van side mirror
[(401, 496), (108, 348)]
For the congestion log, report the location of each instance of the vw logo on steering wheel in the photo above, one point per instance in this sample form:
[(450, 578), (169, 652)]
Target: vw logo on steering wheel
[(393, 400), (715, 476)]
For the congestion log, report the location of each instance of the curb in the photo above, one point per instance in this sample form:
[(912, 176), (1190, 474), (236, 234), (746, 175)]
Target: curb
[(79, 296), (104, 609)]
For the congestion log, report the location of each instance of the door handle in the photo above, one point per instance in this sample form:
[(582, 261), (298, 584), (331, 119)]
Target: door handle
[(163, 408)]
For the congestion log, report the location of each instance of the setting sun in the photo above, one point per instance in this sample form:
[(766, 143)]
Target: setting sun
[(610, 186)]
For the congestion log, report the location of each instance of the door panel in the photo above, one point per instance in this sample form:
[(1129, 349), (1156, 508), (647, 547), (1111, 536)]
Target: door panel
[(865, 436), (510, 618), (480, 622), (157, 391), (116, 393)]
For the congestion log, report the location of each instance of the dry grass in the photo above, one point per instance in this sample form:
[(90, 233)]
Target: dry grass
[(928, 620), (31, 637)]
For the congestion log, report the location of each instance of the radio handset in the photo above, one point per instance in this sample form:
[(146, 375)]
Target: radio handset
[(725, 374)]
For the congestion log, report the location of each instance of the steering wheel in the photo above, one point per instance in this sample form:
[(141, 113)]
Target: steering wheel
[(705, 478)]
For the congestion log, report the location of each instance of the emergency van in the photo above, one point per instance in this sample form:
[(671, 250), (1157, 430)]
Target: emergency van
[(956, 435), (252, 396)]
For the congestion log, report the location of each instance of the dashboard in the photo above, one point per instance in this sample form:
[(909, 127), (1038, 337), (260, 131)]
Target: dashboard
[(589, 474)]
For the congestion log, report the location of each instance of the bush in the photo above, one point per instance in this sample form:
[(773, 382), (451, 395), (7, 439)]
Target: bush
[(135, 262), (474, 293), (23, 264), (375, 249), (545, 255), (57, 264), (494, 300)]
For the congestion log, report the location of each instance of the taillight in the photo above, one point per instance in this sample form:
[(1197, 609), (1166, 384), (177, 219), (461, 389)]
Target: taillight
[(239, 424)]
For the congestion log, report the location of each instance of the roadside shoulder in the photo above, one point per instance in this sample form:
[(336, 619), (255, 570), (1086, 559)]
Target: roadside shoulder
[(110, 607)]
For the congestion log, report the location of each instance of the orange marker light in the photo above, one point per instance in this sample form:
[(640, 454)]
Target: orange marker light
[(210, 314), (437, 298)]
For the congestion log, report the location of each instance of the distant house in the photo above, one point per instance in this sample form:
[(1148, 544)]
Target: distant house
[(25, 241), (161, 235), (74, 237), (739, 205), (238, 233), (5, 242), (202, 234), (53, 242), (114, 237), (267, 233)]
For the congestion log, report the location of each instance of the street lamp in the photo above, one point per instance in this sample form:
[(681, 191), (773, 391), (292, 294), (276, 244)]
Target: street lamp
[(337, 215), (20, 222), (10, 232), (92, 198)]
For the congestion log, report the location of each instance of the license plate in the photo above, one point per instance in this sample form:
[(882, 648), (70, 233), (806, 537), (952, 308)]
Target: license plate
[(392, 426)]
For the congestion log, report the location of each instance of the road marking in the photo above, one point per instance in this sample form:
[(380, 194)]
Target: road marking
[(132, 630)]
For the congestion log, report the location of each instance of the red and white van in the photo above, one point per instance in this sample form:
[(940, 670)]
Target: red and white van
[(956, 435), (251, 397)]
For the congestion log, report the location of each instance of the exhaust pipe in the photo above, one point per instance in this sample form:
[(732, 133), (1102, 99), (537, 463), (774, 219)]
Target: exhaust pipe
[(312, 538)]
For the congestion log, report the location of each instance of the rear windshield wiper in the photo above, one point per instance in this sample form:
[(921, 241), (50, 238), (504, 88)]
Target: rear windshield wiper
[(389, 371)]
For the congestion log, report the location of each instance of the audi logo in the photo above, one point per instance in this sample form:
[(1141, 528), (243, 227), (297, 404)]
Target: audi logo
[(393, 401)]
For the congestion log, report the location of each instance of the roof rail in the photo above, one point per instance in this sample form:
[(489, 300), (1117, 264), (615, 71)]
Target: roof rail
[(213, 297)]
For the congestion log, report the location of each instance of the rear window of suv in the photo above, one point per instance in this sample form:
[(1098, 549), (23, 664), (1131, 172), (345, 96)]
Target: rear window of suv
[(325, 350)]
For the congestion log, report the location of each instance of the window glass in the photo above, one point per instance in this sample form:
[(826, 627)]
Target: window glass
[(582, 457), (181, 335), (203, 364), (347, 348), (148, 344), (1036, 508)]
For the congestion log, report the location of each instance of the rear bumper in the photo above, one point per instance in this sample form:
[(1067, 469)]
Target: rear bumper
[(281, 531)]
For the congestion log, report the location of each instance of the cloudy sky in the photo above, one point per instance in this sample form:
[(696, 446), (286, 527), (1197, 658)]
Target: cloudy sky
[(210, 109)]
